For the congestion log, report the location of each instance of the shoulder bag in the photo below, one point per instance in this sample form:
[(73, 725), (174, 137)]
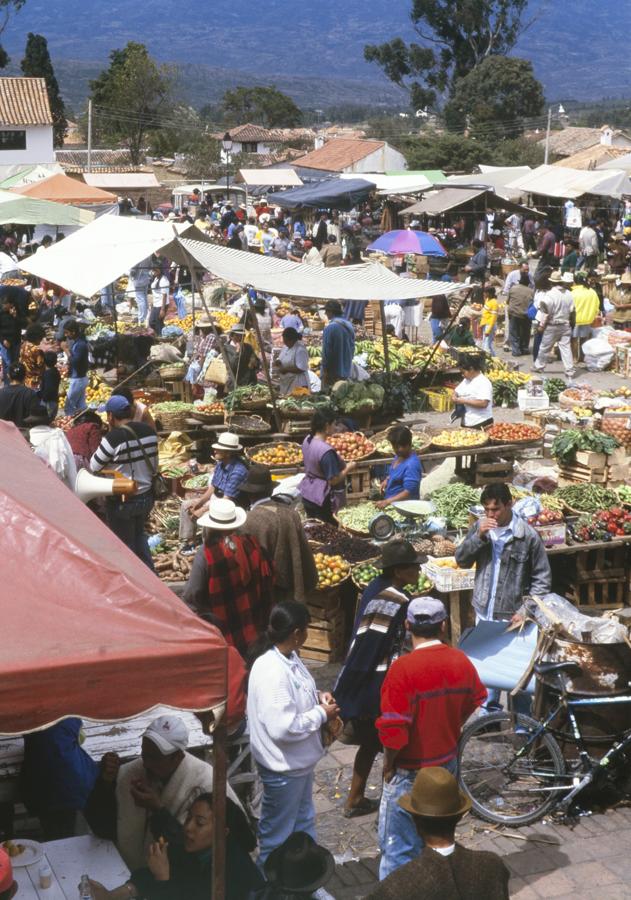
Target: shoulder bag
[(159, 486)]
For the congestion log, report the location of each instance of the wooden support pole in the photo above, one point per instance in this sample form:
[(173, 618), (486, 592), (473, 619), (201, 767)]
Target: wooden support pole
[(220, 785)]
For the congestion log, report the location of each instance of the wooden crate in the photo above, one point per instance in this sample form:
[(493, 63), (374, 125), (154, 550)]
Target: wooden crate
[(489, 472), (577, 474), (325, 638), (606, 563), (358, 485), (609, 594), (180, 390), (460, 609)]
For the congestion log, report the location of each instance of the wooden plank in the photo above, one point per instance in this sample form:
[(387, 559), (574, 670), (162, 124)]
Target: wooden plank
[(320, 655)]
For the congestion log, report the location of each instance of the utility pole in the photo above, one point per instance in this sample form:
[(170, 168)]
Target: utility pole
[(89, 135), (545, 158)]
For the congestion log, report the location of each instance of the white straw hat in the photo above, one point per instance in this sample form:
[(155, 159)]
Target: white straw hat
[(222, 515), (227, 441)]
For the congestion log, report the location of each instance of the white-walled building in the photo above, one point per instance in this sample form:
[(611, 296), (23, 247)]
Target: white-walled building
[(26, 122), (349, 155)]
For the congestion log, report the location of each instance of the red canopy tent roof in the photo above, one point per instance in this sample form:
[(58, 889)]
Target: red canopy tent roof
[(62, 189), (87, 629)]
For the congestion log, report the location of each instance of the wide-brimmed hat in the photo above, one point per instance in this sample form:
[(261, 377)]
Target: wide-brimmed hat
[(555, 277), (227, 441), (222, 515), (299, 866), (259, 481), (618, 237), (625, 278), (435, 795), (567, 278), (399, 553)]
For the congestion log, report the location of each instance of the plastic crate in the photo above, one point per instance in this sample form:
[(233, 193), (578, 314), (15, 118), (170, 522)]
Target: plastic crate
[(526, 402), (447, 579)]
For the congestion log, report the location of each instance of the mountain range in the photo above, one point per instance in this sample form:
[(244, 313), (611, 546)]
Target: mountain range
[(312, 51)]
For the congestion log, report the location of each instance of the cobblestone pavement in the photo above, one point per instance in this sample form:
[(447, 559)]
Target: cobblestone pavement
[(591, 860)]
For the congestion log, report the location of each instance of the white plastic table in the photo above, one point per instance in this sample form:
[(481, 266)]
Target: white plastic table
[(69, 860)]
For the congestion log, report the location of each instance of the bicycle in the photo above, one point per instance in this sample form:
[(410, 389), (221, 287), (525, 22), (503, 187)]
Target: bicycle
[(512, 768)]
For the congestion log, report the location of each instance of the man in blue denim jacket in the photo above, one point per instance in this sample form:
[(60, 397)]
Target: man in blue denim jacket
[(510, 558)]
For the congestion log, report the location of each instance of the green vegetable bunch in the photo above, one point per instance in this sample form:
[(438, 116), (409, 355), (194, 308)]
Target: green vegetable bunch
[(553, 387), (357, 396), (452, 502), (587, 497), (247, 392), (505, 391), (566, 444)]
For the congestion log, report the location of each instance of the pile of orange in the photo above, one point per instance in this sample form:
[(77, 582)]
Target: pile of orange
[(278, 455), (331, 569)]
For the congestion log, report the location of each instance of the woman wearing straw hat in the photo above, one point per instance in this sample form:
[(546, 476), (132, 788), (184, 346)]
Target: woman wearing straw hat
[(621, 299), (231, 576), (228, 476)]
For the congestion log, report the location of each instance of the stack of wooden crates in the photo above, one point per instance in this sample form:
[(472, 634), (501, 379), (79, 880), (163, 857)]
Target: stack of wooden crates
[(325, 636)]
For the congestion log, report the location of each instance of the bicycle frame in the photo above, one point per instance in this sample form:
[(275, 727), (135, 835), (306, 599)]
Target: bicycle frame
[(589, 767)]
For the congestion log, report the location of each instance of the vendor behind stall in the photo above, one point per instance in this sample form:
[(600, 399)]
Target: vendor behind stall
[(293, 363), (403, 480), (323, 487), (474, 394), (338, 345)]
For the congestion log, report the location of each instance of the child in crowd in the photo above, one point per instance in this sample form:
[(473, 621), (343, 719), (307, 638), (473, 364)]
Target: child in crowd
[(49, 387), (461, 335), (488, 320)]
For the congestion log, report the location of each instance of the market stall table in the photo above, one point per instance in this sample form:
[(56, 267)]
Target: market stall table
[(69, 860)]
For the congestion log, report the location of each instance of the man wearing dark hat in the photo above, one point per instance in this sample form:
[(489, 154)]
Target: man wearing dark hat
[(298, 868), (426, 698), (130, 448), (279, 531), (338, 345), (444, 870)]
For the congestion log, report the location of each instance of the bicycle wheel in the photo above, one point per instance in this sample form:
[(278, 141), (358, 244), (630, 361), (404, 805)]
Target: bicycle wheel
[(509, 781)]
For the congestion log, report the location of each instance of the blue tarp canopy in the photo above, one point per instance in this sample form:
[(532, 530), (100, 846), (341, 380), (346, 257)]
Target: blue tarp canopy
[(341, 193)]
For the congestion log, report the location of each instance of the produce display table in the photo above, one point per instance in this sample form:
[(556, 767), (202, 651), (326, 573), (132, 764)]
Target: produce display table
[(69, 860)]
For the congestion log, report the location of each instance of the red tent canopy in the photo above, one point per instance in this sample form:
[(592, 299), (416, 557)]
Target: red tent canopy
[(87, 629), (63, 189)]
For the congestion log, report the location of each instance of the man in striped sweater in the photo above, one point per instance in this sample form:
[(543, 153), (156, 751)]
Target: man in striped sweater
[(130, 448), (426, 698)]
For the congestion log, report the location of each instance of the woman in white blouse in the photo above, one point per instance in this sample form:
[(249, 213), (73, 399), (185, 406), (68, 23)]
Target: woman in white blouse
[(285, 715)]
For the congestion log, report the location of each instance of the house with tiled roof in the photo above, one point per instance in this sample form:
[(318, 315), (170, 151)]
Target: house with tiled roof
[(575, 139), (26, 122), (349, 155)]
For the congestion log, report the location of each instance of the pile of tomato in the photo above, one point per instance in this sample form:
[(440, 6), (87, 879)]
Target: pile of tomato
[(514, 431), (604, 526)]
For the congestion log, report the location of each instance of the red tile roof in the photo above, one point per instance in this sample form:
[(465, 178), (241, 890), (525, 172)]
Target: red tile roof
[(24, 101), (338, 154)]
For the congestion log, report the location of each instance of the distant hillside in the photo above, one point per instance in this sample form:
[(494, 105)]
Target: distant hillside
[(312, 51)]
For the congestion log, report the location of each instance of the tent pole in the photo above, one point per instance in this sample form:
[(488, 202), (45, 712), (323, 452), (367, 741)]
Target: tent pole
[(220, 784), (384, 337), (266, 370), (450, 325)]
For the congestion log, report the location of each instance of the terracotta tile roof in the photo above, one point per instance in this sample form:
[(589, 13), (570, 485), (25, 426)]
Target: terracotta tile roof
[(24, 101), (248, 133), (338, 154), (103, 161), (591, 157)]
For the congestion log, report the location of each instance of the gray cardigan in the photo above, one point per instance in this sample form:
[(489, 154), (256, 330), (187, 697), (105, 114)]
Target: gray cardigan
[(524, 568)]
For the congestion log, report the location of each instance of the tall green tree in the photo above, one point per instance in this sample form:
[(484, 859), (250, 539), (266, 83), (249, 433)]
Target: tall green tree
[(455, 36), (501, 91), (264, 106), (38, 64), (130, 98)]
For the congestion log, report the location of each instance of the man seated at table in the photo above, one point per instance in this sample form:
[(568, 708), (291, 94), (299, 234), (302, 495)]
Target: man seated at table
[(8, 885), (141, 801)]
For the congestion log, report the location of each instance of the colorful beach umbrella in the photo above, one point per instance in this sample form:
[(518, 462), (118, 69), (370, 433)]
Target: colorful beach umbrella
[(408, 241)]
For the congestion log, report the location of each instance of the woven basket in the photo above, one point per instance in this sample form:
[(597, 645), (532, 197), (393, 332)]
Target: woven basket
[(216, 371), (568, 403), (255, 449), (357, 458), (174, 421), (529, 440), (208, 418), (254, 404), (172, 373), (383, 436), (484, 439), (367, 562), (248, 425)]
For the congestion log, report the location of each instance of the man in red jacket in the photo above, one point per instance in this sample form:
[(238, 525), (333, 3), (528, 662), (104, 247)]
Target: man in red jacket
[(426, 698)]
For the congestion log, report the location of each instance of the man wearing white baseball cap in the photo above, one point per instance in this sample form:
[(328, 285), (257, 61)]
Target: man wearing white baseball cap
[(148, 798), (426, 698), (225, 481)]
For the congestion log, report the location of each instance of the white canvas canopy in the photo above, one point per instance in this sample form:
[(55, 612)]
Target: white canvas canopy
[(393, 184), (130, 181), (368, 281), (18, 210), (265, 177), (568, 184), (496, 179), (101, 252)]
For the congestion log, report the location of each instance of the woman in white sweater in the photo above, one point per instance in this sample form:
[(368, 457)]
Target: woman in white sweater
[(285, 715)]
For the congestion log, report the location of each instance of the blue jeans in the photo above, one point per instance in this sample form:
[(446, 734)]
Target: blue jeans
[(399, 840), (140, 296), (5, 356), (287, 807), (180, 304), (75, 398), (487, 340), (438, 326), (127, 520)]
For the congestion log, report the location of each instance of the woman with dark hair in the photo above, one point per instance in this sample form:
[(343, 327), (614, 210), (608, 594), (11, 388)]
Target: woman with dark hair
[(439, 316), (293, 363), (474, 394), (285, 715), (32, 357), (323, 487), (173, 872), (403, 480)]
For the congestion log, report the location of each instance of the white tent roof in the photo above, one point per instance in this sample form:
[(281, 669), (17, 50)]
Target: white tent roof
[(559, 181), (368, 281), (101, 252), (18, 210), (620, 162), (392, 184), (129, 180), (496, 179), (274, 177)]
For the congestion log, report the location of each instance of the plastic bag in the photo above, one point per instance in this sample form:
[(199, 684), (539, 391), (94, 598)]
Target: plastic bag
[(598, 354), (553, 609)]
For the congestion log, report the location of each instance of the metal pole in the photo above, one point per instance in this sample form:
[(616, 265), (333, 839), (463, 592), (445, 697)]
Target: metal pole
[(545, 158), (89, 135)]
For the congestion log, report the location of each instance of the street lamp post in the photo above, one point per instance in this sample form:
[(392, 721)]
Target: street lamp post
[(226, 143)]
